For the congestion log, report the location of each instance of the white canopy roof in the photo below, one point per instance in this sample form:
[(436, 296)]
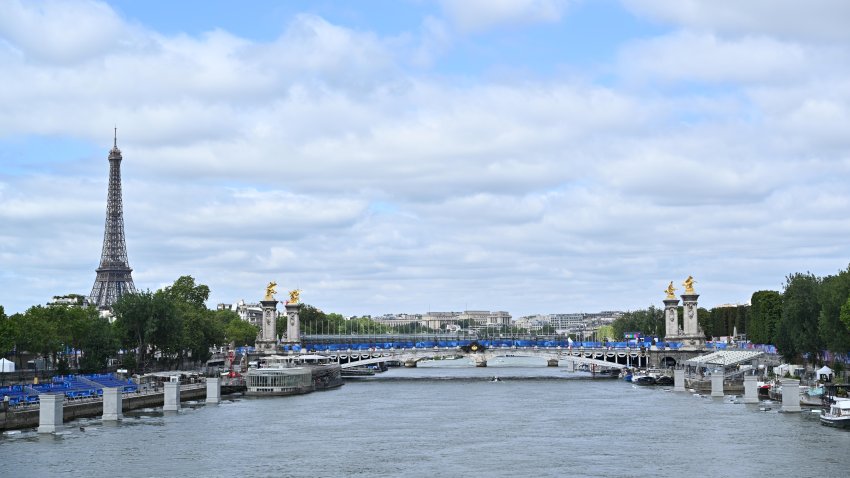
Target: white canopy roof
[(824, 371), (725, 357), (6, 365)]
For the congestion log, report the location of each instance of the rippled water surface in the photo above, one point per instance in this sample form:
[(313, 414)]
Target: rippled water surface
[(446, 420)]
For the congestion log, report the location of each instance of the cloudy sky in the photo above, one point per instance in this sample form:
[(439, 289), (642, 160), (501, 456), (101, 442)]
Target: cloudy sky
[(534, 156)]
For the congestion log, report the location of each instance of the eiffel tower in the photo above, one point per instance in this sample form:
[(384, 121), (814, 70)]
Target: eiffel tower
[(113, 276)]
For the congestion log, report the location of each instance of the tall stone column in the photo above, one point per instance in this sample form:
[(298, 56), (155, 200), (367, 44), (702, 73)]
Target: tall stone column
[(691, 325), (293, 328), (671, 318), (267, 341)]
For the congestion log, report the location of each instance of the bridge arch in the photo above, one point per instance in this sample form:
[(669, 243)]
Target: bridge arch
[(667, 362)]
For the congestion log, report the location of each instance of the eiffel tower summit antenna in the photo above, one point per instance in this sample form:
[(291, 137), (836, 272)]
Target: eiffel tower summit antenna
[(114, 277)]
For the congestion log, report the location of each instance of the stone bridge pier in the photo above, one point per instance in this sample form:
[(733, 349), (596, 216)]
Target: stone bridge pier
[(479, 359)]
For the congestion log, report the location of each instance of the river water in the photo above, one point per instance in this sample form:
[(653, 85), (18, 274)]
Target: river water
[(446, 420)]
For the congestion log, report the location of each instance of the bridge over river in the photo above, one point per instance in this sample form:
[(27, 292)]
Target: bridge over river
[(358, 350)]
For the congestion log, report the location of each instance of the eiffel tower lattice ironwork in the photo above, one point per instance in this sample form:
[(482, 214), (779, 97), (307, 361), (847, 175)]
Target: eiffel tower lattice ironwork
[(114, 277)]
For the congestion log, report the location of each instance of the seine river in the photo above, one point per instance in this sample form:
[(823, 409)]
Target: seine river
[(446, 421)]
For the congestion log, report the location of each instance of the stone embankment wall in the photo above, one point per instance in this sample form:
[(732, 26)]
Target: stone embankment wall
[(27, 417)]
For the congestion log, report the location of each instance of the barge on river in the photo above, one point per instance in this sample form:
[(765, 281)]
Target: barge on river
[(281, 375)]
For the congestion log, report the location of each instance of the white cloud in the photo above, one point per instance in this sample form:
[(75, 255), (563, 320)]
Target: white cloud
[(813, 19), (688, 56), (435, 38), (60, 31), (478, 15), (320, 160)]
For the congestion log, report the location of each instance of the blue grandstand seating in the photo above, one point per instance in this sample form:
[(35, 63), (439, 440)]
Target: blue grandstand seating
[(74, 387)]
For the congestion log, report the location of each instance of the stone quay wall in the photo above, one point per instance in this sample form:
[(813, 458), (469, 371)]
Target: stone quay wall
[(27, 417)]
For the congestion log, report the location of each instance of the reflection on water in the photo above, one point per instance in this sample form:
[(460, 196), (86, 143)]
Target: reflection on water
[(450, 421)]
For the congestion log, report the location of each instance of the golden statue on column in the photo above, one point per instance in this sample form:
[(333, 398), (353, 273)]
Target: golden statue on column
[(689, 285), (671, 291), (270, 291)]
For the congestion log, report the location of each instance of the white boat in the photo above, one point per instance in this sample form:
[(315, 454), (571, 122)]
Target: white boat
[(838, 414)]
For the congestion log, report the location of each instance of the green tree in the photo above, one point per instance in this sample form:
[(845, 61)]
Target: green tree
[(146, 320), (226, 316), (834, 292), (39, 331), (845, 313), (312, 320), (606, 332), (800, 313), (19, 330), (725, 321), (185, 291), (765, 314), (8, 333), (742, 320), (84, 330), (649, 322), (201, 331), (784, 341), (98, 344), (240, 332)]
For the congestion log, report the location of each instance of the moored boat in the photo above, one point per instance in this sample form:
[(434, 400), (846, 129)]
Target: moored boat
[(838, 414), (359, 371), (811, 396), (643, 379)]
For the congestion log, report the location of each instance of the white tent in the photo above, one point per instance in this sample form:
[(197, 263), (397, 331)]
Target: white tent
[(825, 374), (6, 365)]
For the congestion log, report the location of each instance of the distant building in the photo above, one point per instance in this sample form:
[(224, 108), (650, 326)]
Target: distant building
[(438, 320), (566, 321), (498, 318), (581, 322), (392, 320), (251, 313), (70, 299), (477, 319), (532, 323)]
